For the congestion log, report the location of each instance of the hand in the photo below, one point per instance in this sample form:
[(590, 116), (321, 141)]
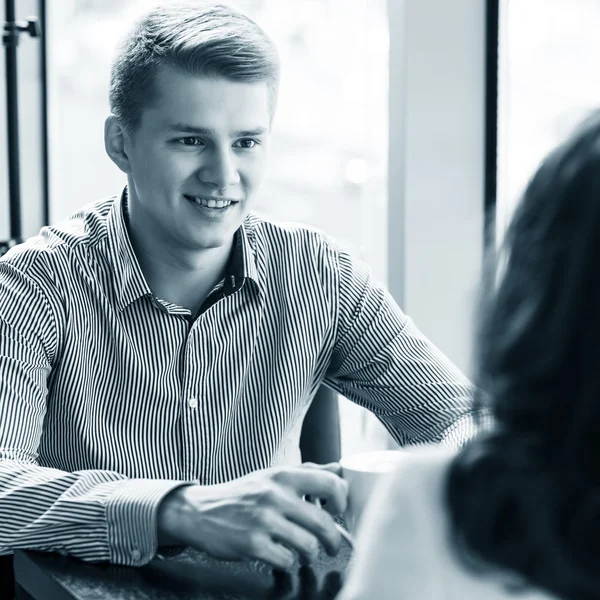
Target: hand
[(259, 516)]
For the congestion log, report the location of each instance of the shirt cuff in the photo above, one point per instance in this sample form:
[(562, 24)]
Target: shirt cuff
[(131, 514), (460, 432)]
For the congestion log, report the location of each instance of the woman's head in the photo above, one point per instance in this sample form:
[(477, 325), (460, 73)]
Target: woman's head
[(538, 344), (524, 497)]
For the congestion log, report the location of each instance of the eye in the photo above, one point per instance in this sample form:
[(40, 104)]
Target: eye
[(247, 143), (190, 141)]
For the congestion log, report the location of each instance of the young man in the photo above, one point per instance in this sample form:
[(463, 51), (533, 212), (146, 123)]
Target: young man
[(160, 350)]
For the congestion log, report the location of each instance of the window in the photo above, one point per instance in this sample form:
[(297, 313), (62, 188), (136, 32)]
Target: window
[(548, 82), (29, 52)]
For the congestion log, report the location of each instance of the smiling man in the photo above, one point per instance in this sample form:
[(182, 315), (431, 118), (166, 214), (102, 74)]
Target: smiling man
[(160, 350), (194, 160)]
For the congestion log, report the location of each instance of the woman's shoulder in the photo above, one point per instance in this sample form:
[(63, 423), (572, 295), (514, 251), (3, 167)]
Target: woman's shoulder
[(422, 470), (392, 557), (434, 458), (413, 494), (404, 544), (423, 477)]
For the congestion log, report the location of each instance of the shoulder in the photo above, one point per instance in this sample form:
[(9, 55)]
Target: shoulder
[(56, 245), (408, 524), (393, 554), (415, 487), (304, 246), (282, 251), (404, 549), (274, 234), (424, 469), (409, 496)]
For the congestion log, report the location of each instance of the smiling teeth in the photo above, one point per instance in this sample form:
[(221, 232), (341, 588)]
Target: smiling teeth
[(210, 203)]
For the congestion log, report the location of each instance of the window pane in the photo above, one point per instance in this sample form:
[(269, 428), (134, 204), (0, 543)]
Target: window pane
[(4, 200), (549, 81), (29, 91)]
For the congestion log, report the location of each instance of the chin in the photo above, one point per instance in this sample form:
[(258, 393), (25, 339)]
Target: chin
[(206, 243)]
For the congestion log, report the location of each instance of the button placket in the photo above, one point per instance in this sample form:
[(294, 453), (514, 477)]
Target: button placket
[(193, 375)]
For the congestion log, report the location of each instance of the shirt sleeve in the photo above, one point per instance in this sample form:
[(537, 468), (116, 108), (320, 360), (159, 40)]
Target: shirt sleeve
[(93, 515), (382, 362)]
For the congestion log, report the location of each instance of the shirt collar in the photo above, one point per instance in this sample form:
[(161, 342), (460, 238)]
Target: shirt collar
[(243, 252), (129, 281)]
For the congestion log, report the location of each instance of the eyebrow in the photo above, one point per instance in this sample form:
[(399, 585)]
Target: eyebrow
[(184, 128)]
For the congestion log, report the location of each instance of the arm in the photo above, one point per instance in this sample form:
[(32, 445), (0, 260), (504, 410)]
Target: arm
[(104, 516), (94, 515), (382, 362)]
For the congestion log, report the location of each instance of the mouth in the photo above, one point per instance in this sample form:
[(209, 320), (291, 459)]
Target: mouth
[(216, 204)]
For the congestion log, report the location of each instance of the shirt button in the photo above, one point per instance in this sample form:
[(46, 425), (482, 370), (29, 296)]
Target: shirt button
[(193, 402), (136, 554)]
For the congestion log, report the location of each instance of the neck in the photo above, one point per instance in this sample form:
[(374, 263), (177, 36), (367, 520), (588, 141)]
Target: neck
[(179, 275)]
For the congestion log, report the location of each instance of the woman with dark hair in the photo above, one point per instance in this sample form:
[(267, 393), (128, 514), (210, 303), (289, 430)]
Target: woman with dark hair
[(516, 513)]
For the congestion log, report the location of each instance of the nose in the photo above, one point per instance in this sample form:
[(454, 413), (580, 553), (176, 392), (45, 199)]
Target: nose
[(220, 169)]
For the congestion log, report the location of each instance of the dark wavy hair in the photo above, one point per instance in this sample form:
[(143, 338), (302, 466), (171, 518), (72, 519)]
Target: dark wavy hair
[(524, 497), (202, 39)]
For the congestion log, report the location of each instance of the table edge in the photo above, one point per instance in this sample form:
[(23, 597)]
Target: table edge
[(35, 580)]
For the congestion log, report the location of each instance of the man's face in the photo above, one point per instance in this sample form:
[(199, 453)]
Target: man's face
[(197, 158)]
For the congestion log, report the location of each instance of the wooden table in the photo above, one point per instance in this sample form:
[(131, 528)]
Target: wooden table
[(189, 576)]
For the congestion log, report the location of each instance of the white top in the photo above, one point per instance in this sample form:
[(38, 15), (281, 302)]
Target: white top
[(404, 548)]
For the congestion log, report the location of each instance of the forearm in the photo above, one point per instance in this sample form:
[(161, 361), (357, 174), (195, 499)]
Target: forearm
[(93, 515), (170, 518)]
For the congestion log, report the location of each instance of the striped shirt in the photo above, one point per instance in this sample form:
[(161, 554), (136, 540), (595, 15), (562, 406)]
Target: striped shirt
[(111, 397)]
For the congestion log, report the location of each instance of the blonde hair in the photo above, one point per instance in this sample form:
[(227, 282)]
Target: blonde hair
[(202, 39)]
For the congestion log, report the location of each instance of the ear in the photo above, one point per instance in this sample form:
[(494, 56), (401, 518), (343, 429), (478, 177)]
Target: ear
[(115, 142)]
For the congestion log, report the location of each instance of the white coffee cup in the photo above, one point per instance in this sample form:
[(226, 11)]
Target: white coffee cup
[(362, 472)]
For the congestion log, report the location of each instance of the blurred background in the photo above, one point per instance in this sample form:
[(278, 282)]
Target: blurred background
[(385, 137)]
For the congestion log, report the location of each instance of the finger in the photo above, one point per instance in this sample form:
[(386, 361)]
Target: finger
[(273, 553), (318, 483), (332, 585), (333, 467), (308, 583), (282, 583), (313, 519), (312, 500), (294, 536)]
